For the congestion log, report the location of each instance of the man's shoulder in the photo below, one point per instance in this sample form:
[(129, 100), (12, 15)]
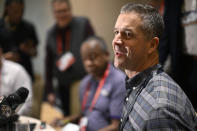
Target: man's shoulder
[(51, 30), (166, 92), (86, 78), (80, 18), (12, 66), (27, 24), (116, 80), (15, 70), (164, 80)]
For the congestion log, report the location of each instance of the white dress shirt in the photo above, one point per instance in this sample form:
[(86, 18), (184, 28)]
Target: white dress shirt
[(12, 77)]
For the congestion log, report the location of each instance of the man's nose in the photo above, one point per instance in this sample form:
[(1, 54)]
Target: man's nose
[(117, 40), (89, 62)]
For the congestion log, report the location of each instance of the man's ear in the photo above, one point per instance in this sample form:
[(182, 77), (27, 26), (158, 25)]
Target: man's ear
[(153, 45)]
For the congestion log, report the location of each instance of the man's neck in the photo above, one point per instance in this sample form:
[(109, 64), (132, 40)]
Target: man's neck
[(132, 72)]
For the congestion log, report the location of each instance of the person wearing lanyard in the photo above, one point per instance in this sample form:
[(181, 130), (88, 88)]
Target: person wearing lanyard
[(63, 41), (154, 101), (101, 92)]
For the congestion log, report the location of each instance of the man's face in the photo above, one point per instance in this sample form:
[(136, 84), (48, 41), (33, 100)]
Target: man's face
[(15, 12), (62, 13), (94, 59), (129, 44)]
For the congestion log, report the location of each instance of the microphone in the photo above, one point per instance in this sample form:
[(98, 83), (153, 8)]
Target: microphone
[(17, 98), (11, 104)]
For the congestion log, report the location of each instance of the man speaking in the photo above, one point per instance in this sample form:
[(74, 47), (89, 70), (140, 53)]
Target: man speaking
[(154, 101)]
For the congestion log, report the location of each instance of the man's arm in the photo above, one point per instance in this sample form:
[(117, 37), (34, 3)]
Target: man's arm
[(168, 119)]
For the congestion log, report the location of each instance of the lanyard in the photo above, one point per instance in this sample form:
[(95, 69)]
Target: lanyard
[(59, 41), (98, 91)]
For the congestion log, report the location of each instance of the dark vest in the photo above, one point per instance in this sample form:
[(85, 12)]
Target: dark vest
[(78, 34)]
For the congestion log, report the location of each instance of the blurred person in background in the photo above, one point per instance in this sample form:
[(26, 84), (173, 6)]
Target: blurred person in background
[(102, 91), (183, 66), (12, 77), (63, 61), (18, 35)]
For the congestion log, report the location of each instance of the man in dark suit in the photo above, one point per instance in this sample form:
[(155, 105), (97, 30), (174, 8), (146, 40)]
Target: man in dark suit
[(63, 60)]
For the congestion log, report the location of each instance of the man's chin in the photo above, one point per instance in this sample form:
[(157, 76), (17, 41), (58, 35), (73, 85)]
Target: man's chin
[(118, 64), (62, 24)]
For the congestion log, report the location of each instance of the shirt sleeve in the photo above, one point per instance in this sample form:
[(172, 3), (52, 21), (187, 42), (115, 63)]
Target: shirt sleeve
[(166, 119), (23, 80)]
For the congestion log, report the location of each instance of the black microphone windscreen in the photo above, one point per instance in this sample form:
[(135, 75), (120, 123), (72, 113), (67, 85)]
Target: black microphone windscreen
[(23, 93)]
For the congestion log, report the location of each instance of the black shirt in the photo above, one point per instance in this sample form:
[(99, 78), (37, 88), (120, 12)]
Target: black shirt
[(13, 35)]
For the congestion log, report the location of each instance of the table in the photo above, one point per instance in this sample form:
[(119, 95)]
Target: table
[(38, 123)]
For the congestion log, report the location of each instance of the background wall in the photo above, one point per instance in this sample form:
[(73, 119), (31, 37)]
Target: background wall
[(1, 7), (102, 14)]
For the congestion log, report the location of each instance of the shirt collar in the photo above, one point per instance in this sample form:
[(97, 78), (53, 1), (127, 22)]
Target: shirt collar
[(141, 77)]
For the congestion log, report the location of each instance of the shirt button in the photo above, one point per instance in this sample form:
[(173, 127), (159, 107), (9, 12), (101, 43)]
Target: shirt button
[(121, 120), (127, 99), (134, 88)]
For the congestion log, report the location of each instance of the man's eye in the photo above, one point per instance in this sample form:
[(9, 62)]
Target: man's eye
[(116, 32), (92, 57), (128, 34)]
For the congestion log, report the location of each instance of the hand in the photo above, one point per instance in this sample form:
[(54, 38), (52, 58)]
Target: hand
[(51, 98), (60, 122), (13, 56), (28, 48)]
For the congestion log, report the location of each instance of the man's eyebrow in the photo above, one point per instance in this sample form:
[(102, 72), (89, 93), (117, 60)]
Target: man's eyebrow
[(127, 29), (115, 28)]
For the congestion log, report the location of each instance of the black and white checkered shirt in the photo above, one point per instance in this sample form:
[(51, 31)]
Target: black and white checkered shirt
[(155, 102)]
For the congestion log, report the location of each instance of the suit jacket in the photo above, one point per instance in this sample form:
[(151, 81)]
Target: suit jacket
[(80, 29)]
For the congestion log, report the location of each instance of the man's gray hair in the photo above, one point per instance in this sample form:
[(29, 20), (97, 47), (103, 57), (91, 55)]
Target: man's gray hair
[(152, 21)]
